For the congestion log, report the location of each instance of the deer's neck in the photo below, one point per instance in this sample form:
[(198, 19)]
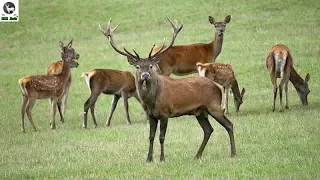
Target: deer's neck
[(296, 80), (65, 73), (216, 46), (148, 91), (236, 91)]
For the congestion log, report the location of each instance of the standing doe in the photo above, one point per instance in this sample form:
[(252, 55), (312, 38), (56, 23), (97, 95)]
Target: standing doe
[(223, 74), (182, 59), (163, 97), (108, 81), (47, 86), (279, 63)]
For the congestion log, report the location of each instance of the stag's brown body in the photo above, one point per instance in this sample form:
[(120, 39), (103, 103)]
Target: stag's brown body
[(224, 75), (182, 59), (279, 63), (163, 97), (109, 81), (47, 86)]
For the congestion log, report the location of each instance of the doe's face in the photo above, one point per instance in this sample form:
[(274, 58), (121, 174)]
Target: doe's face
[(69, 55)]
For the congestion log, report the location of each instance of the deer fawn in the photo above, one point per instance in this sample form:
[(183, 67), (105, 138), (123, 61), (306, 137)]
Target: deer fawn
[(55, 69), (47, 86), (279, 63), (163, 97), (223, 74), (182, 59), (300, 85), (108, 81)]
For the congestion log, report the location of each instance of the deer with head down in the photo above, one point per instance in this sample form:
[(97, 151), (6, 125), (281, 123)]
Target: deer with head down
[(301, 85), (108, 81), (163, 97), (47, 86), (223, 74), (182, 59)]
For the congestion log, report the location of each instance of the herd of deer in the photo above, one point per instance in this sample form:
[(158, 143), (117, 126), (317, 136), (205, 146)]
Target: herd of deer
[(160, 96)]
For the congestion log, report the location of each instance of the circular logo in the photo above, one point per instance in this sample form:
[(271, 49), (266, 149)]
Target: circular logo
[(9, 7)]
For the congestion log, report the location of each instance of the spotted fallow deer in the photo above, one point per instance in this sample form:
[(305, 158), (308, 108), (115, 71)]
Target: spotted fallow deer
[(279, 63), (182, 59), (108, 81), (224, 75), (163, 97), (47, 86), (55, 69)]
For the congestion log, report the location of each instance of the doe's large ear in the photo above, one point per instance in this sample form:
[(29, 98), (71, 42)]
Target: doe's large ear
[(211, 20), (307, 78), (61, 46), (70, 43), (227, 19)]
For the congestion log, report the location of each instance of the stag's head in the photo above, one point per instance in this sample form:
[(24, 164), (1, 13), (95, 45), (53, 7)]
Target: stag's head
[(304, 90), (69, 55), (220, 26), (144, 66)]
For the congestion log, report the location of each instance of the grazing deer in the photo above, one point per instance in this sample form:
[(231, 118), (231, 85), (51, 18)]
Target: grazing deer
[(47, 86), (223, 74), (300, 85), (182, 59), (55, 69), (163, 97), (108, 81), (279, 63)]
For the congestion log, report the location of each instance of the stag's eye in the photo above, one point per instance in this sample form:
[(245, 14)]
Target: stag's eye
[(150, 66), (138, 67)]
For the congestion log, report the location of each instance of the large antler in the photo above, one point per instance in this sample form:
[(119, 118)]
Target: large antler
[(109, 33), (176, 29)]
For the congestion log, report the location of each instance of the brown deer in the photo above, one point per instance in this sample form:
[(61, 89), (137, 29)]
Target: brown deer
[(300, 85), (223, 74), (279, 63), (47, 86), (108, 81), (163, 97), (55, 69), (182, 59)]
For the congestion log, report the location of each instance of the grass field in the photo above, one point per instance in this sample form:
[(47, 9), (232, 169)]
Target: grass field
[(270, 145)]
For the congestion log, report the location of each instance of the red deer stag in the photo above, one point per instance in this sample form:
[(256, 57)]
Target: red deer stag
[(279, 63), (223, 74), (182, 59), (47, 86), (163, 97), (108, 81), (300, 85), (55, 69)]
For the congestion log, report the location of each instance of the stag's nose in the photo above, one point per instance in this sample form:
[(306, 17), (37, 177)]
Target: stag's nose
[(145, 76)]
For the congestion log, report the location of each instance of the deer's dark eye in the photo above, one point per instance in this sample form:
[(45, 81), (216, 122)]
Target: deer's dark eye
[(138, 67), (150, 66)]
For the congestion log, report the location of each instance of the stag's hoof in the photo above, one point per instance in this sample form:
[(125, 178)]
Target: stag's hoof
[(149, 160)]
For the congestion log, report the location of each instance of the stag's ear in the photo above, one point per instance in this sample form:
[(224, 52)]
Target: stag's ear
[(227, 19), (307, 78), (242, 92), (155, 60), (211, 20), (70, 43), (131, 61)]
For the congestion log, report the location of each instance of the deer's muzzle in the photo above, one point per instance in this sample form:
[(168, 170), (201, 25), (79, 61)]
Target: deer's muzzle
[(145, 76)]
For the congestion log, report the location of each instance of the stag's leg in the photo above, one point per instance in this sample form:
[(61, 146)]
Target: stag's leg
[(227, 124), (207, 130), (163, 130), (113, 107), (30, 103), (23, 110), (126, 106), (59, 109), (153, 122), (90, 104)]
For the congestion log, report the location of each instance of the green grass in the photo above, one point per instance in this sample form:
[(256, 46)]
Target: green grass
[(270, 145)]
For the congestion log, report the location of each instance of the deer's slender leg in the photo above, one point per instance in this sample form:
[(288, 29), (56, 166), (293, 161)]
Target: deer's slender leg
[(207, 130), (65, 100), (23, 110), (163, 130), (227, 99), (227, 124), (59, 104), (113, 107), (286, 91), (126, 106), (153, 122), (30, 103), (275, 89), (90, 104), (54, 110)]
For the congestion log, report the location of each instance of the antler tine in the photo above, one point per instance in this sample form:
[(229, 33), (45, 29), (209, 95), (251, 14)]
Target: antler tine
[(176, 29), (154, 44), (133, 56), (136, 54), (160, 50), (109, 33)]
